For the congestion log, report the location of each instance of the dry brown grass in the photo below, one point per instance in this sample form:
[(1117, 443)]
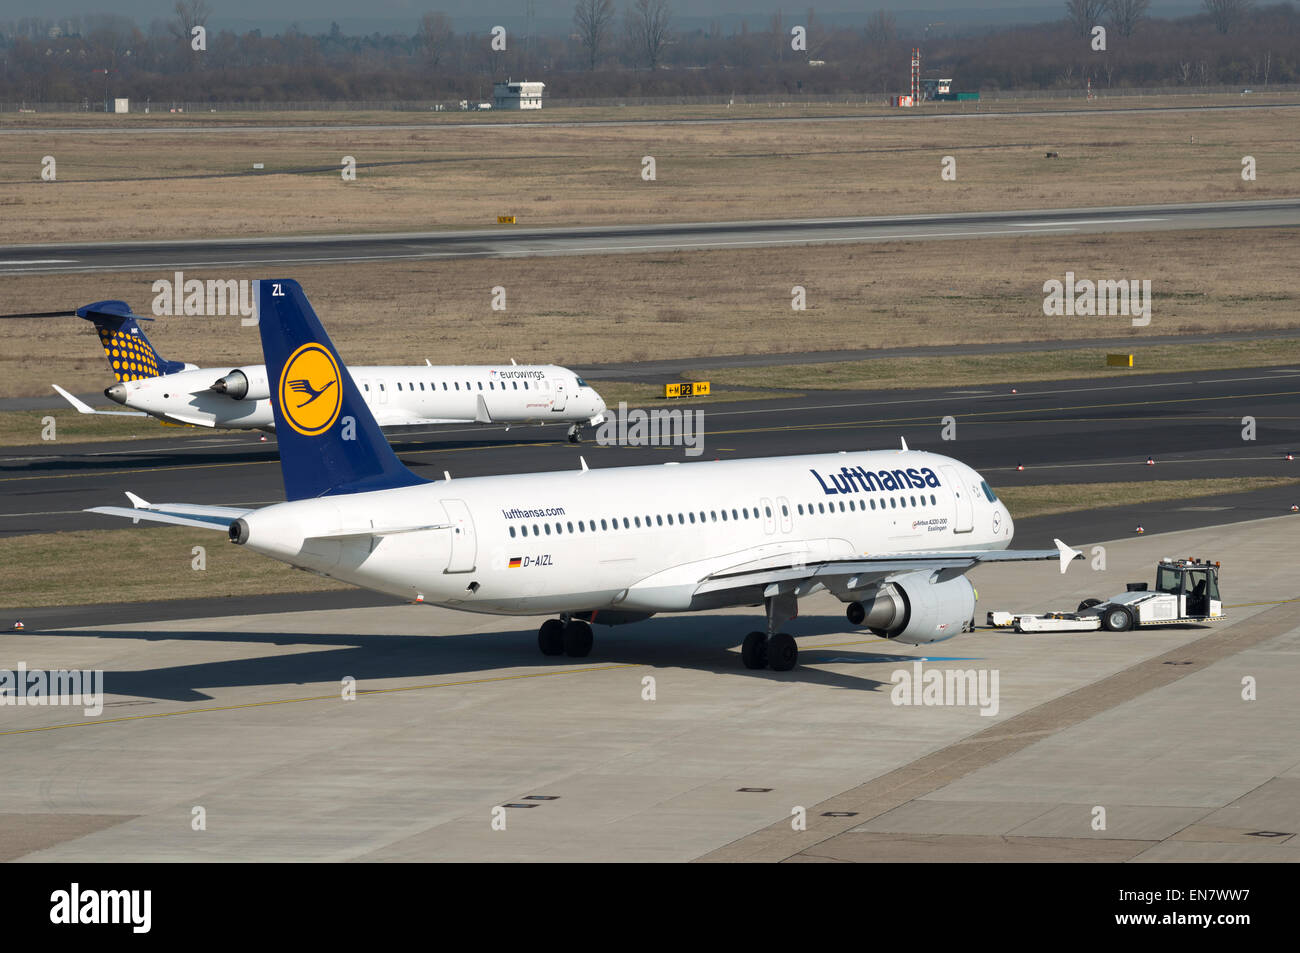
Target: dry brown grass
[(51, 569), (601, 309), (430, 177)]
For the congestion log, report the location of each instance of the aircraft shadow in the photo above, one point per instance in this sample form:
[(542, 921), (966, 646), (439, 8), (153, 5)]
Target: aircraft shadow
[(370, 659)]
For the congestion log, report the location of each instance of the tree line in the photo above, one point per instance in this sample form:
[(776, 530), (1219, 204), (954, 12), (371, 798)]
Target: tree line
[(637, 51)]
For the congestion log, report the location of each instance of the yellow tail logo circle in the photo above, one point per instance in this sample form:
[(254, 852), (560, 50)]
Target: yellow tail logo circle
[(311, 390)]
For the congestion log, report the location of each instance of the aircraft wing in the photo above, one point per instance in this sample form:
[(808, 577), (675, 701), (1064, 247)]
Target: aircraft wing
[(868, 569), (793, 573), (180, 514), (83, 408)]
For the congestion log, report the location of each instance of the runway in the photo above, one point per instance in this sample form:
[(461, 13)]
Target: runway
[(1084, 431), (974, 111), (286, 253)]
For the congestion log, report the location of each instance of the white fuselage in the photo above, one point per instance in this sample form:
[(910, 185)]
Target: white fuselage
[(637, 539), (397, 396)]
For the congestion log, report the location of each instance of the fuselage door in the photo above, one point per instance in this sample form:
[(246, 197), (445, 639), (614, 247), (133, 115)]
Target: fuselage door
[(464, 543), (561, 397), (965, 509), (783, 511)]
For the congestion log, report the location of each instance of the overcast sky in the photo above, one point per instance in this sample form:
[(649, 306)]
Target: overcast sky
[(551, 15)]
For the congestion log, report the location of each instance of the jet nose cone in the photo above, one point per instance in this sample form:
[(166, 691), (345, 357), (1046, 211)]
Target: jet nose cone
[(116, 393)]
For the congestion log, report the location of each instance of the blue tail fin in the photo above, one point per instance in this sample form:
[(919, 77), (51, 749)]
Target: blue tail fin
[(129, 352), (329, 441)]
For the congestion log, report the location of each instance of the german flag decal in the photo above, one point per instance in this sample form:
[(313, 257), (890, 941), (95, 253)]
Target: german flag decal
[(516, 562)]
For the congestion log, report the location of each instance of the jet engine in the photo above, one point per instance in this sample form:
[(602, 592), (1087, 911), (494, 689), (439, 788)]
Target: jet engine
[(244, 383), (917, 607)]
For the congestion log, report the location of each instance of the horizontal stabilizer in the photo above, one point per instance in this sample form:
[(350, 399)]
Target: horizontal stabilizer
[(178, 514), (83, 408)]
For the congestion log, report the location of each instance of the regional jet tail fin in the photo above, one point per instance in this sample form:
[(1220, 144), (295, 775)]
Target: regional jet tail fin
[(129, 353), (329, 440)]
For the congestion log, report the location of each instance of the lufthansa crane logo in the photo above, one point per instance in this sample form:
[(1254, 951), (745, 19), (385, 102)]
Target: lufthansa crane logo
[(311, 390)]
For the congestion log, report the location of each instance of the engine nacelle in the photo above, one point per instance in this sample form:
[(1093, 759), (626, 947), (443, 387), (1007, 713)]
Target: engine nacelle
[(917, 608), (244, 383)]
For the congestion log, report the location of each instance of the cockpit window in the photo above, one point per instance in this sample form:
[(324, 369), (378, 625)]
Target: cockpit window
[(988, 491)]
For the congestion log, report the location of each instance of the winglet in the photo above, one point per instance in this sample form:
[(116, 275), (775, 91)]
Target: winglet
[(583, 461), (904, 442), (138, 502), (1067, 554)]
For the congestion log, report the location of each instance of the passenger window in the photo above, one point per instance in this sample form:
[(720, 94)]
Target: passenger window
[(785, 510), (512, 532), (480, 385), (399, 385), (893, 503), (735, 515), (659, 520), (670, 519), (457, 385), (514, 385), (692, 517), (626, 524), (841, 506), (767, 510), (524, 530), (603, 525), (933, 501), (713, 516), (548, 528), (637, 521), (873, 504), (367, 387), (821, 507), (537, 531)]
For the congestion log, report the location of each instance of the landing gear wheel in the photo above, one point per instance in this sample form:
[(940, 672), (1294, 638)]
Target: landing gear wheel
[(782, 652), (575, 434), (577, 639), (753, 652), (1088, 604), (1117, 619), (550, 637)]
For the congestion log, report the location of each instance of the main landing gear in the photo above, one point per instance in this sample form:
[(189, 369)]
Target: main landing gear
[(772, 649), (575, 433), (565, 636)]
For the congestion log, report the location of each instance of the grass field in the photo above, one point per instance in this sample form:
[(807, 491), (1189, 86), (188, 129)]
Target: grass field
[(1009, 368), (632, 112), (196, 184), (600, 309), (51, 569), (1026, 501)]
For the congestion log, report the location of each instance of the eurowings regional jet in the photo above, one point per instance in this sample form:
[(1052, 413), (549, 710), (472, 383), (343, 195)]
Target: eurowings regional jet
[(239, 398), (889, 533)]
